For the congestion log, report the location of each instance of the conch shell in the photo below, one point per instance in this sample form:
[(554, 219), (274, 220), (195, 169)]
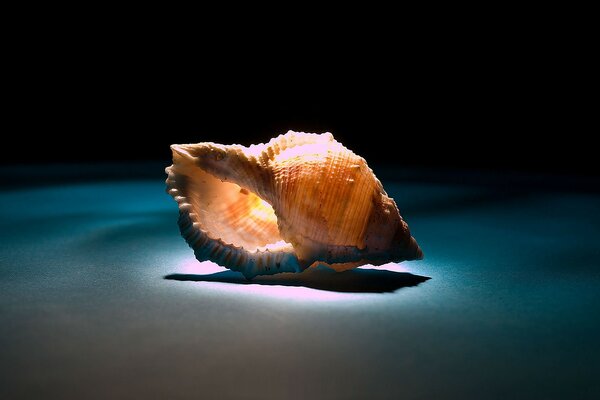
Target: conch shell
[(301, 199)]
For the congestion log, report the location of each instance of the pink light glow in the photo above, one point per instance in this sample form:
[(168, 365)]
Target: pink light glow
[(297, 293), (289, 287)]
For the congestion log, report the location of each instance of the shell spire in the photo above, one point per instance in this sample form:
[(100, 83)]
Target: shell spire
[(300, 199)]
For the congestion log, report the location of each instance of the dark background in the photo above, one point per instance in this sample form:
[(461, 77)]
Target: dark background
[(493, 102)]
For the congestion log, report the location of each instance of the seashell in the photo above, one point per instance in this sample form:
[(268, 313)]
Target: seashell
[(298, 200)]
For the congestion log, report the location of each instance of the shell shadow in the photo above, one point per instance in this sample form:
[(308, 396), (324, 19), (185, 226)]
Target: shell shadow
[(360, 280)]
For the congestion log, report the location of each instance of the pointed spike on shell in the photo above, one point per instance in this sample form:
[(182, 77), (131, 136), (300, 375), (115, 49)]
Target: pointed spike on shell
[(302, 196)]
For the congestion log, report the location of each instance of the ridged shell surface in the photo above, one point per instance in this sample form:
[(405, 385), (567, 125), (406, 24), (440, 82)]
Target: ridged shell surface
[(285, 205)]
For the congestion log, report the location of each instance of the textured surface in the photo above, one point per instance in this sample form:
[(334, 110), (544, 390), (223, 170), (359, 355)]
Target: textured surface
[(512, 309)]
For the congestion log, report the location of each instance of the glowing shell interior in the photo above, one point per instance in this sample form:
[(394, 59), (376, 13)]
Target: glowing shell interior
[(283, 206)]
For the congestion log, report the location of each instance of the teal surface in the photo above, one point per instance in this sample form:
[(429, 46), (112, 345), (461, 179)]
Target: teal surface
[(511, 309)]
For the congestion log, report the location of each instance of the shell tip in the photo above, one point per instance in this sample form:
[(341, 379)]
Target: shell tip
[(180, 150), (418, 253)]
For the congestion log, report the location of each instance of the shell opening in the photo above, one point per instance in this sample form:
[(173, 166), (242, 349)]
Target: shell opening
[(231, 213)]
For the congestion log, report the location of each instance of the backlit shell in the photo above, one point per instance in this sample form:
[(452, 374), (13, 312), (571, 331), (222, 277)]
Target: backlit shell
[(300, 199)]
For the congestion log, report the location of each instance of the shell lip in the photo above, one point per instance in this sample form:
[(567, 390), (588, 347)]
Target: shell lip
[(184, 206)]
